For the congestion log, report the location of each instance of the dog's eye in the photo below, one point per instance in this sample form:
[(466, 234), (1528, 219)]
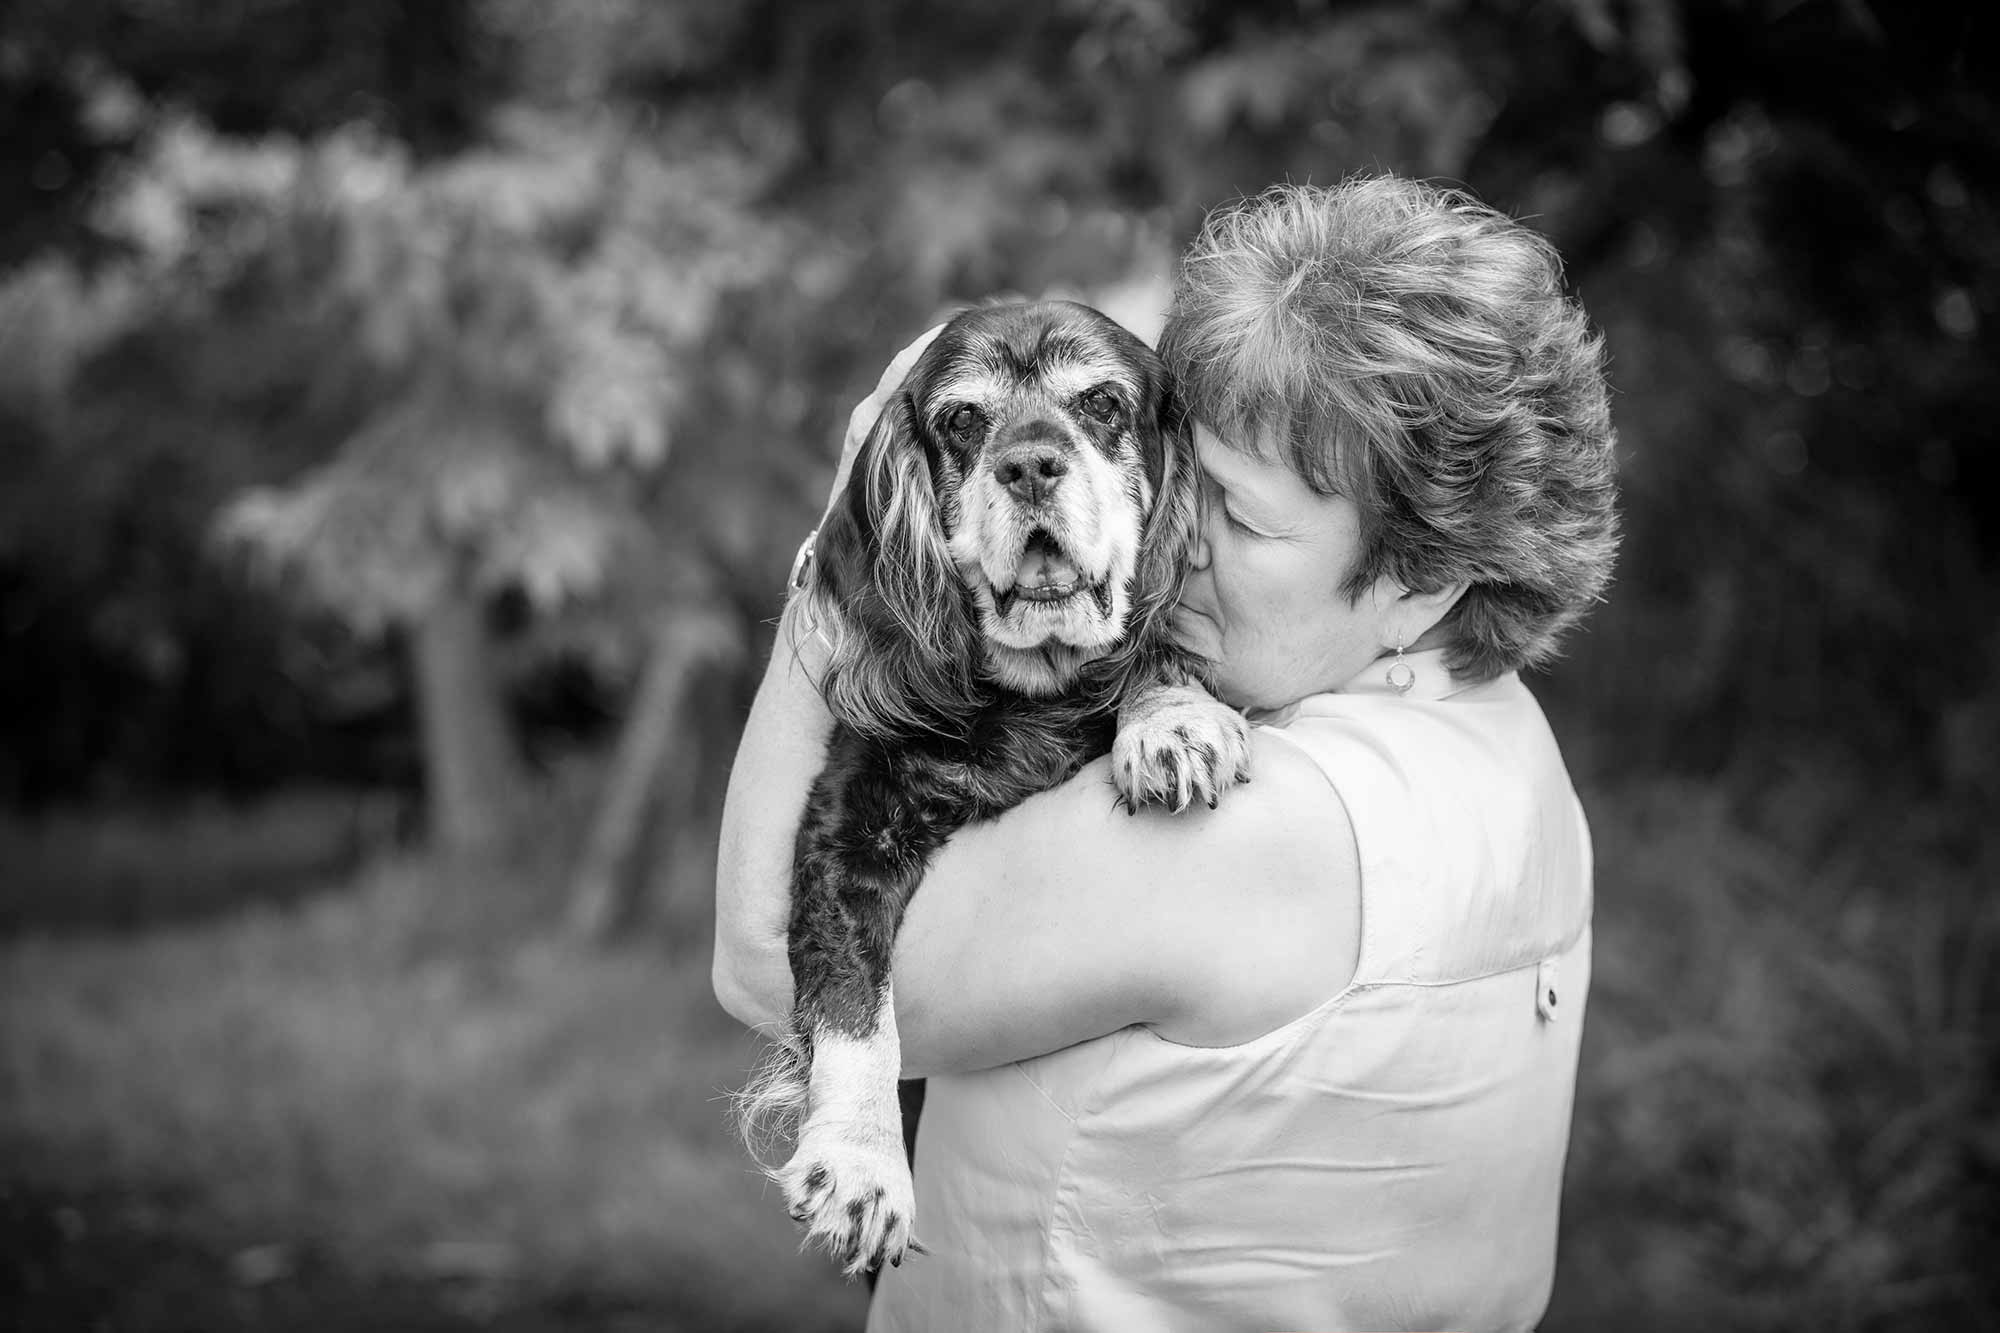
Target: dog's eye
[(964, 421), (1099, 404)]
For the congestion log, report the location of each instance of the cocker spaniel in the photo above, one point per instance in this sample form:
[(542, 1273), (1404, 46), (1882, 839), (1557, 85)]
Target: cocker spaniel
[(996, 587)]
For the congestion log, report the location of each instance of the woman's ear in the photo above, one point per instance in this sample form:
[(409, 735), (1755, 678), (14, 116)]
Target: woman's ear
[(1412, 614)]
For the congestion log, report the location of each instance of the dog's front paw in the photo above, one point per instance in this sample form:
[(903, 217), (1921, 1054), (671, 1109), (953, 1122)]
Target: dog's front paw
[(853, 1195), (1177, 744)]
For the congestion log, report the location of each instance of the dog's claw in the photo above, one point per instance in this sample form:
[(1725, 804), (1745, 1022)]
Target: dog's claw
[(1175, 745), (852, 1195)]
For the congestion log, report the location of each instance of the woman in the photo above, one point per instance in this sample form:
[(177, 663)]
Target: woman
[(1307, 1060)]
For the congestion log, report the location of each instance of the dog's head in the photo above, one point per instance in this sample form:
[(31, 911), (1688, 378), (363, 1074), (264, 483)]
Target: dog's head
[(1020, 515)]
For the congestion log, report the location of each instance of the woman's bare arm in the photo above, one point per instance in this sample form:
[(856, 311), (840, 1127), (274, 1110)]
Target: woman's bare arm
[(1066, 918), (782, 749)]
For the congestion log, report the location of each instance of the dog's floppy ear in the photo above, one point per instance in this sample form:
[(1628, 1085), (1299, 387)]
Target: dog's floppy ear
[(1166, 446), (884, 590), (1148, 652)]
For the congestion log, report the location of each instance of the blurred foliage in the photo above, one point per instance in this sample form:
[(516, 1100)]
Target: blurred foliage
[(523, 314), (561, 304), (603, 228), (1785, 1111)]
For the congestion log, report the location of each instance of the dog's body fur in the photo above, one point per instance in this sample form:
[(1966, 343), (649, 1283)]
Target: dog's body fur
[(996, 584)]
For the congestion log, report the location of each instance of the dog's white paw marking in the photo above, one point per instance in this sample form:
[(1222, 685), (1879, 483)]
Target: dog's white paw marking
[(1176, 745), (853, 1195), (848, 1184)]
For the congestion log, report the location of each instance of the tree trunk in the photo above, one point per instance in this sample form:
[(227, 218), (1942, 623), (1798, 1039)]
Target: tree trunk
[(472, 771), (652, 772)]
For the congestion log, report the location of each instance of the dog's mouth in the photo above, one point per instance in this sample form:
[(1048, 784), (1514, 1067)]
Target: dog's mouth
[(1047, 576)]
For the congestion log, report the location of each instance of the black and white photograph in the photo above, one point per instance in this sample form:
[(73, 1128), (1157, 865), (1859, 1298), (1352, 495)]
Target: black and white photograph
[(945, 666)]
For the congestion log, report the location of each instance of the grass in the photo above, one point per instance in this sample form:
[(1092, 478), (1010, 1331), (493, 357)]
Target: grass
[(73, 871), (525, 1118), (404, 1104)]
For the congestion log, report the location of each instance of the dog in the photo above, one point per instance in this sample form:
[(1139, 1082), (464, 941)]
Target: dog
[(995, 586)]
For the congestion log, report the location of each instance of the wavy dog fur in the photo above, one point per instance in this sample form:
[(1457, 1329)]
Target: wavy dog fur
[(935, 725)]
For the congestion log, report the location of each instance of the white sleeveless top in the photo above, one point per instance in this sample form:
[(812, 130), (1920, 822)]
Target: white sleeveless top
[(1391, 1160)]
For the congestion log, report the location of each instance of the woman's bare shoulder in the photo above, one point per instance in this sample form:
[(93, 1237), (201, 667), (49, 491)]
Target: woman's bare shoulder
[(1250, 911), (1066, 918), (1286, 820), (1281, 919)]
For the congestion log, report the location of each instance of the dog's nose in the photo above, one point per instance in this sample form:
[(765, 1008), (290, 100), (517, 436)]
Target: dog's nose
[(1031, 471)]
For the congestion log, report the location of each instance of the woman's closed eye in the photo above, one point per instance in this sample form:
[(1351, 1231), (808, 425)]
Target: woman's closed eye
[(1218, 500)]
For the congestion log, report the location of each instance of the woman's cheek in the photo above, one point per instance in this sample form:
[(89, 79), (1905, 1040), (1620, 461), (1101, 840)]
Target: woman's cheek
[(1196, 633)]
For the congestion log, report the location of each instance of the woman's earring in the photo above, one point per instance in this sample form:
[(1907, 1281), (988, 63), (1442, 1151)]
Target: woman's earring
[(1401, 674)]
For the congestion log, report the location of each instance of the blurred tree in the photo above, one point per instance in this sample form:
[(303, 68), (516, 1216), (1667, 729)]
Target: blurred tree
[(129, 667), (523, 315)]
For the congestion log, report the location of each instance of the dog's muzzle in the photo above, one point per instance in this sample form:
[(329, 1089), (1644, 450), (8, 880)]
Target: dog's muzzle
[(1047, 576)]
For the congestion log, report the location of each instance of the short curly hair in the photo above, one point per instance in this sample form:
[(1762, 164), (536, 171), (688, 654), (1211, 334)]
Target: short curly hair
[(1413, 349)]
